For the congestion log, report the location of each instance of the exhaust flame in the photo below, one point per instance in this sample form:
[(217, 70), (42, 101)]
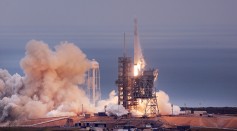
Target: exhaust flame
[(137, 69)]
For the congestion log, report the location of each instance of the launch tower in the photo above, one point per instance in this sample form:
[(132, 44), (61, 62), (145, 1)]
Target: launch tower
[(124, 82), (134, 82)]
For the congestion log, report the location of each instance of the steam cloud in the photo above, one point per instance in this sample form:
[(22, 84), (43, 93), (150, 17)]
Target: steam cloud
[(164, 105), (50, 84), (111, 105)]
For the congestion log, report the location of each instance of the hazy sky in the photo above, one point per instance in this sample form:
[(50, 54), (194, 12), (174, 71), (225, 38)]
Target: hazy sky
[(117, 13), (193, 43)]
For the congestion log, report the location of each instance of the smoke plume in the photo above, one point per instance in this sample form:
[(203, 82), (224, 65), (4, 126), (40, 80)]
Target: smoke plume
[(164, 105), (50, 84), (110, 106)]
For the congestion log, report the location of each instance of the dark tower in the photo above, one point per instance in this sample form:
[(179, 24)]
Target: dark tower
[(124, 82)]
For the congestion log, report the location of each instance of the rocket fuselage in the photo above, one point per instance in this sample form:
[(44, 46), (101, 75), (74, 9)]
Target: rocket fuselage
[(136, 43), (139, 62)]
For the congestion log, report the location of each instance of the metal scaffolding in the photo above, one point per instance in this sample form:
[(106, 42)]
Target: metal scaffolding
[(144, 89), (132, 86), (124, 82)]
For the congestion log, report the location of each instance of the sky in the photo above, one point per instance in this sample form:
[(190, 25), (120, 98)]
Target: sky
[(192, 43)]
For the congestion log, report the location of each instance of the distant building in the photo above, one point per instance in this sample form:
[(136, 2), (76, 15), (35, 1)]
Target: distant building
[(185, 112), (188, 112), (200, 113)]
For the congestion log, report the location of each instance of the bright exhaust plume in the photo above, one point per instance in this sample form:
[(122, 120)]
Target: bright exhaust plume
[(139, 61)]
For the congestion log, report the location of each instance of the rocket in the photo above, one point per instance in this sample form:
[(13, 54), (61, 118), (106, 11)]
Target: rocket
[(139, 62), (137, 47)]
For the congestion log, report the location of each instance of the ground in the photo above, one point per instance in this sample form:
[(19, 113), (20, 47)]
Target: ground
[(216, 122)]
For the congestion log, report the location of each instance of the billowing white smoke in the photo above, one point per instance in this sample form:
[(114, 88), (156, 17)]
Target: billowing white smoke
[(113, 99), (164, 105), (115, 109), (110, 105), (50, 84)]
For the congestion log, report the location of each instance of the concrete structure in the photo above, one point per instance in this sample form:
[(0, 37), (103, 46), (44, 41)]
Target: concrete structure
[(93, 82), (185, 112), (200, 113), (164, 122)]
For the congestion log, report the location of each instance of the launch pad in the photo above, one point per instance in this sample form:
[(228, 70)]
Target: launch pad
[(218, 122), (131, 88), (135, 82)]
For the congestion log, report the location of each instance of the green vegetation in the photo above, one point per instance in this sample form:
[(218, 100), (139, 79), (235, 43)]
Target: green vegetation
[(215, 110), (209, 129)]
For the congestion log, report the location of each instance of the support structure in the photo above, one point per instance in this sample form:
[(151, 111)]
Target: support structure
[(135, 82), (93, 83), (151, 107), (124, 82), (144, 89)]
